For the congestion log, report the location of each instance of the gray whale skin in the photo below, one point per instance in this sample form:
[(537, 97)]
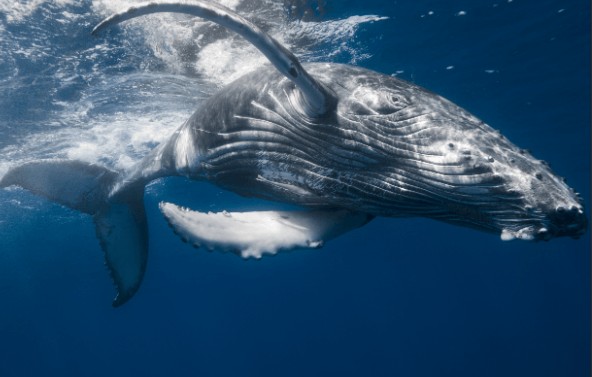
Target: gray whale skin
[(344, 143)]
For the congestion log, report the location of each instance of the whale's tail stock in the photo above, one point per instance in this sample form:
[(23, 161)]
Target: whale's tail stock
[(120, 220)]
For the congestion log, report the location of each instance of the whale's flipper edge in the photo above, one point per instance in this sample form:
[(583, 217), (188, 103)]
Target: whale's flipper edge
[(317, 99), (254, 234), (120, 221)]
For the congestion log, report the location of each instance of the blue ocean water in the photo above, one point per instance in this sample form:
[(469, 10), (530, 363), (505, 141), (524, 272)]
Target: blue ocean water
[(398, 297)]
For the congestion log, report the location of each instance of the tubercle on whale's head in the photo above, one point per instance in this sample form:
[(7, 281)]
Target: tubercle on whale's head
[(546, 206)]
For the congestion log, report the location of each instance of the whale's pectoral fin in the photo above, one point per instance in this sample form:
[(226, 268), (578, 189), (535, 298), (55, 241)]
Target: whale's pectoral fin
[(317, 100), (253, 234)]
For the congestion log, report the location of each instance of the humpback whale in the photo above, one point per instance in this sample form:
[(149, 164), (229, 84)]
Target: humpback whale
[(343, 143)]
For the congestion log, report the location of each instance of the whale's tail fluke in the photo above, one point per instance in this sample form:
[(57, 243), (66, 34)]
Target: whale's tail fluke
[(119, 218)]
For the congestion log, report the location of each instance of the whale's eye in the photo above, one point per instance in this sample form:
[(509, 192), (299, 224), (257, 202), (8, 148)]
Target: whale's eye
[(395, 98)]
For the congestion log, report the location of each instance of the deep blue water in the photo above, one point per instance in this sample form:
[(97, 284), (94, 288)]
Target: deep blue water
[(398, 297)]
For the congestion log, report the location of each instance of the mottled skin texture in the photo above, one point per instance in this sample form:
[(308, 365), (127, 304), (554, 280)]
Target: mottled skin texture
[(390, 148)]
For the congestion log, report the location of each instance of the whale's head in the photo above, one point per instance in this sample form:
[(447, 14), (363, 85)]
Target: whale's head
[(520, 196), (442, 162)]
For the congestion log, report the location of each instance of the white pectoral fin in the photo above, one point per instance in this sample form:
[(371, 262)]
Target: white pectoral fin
[(253, 234)]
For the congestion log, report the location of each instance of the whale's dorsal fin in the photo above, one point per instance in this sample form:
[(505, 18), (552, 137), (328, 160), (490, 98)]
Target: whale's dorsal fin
[(317, 99)]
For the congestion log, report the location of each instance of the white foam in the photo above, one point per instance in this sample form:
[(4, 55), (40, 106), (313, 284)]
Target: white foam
[(16, 11), (232, 4), (330, 30), (218, 61), (107, 7), (115, 119), (334, 37)]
